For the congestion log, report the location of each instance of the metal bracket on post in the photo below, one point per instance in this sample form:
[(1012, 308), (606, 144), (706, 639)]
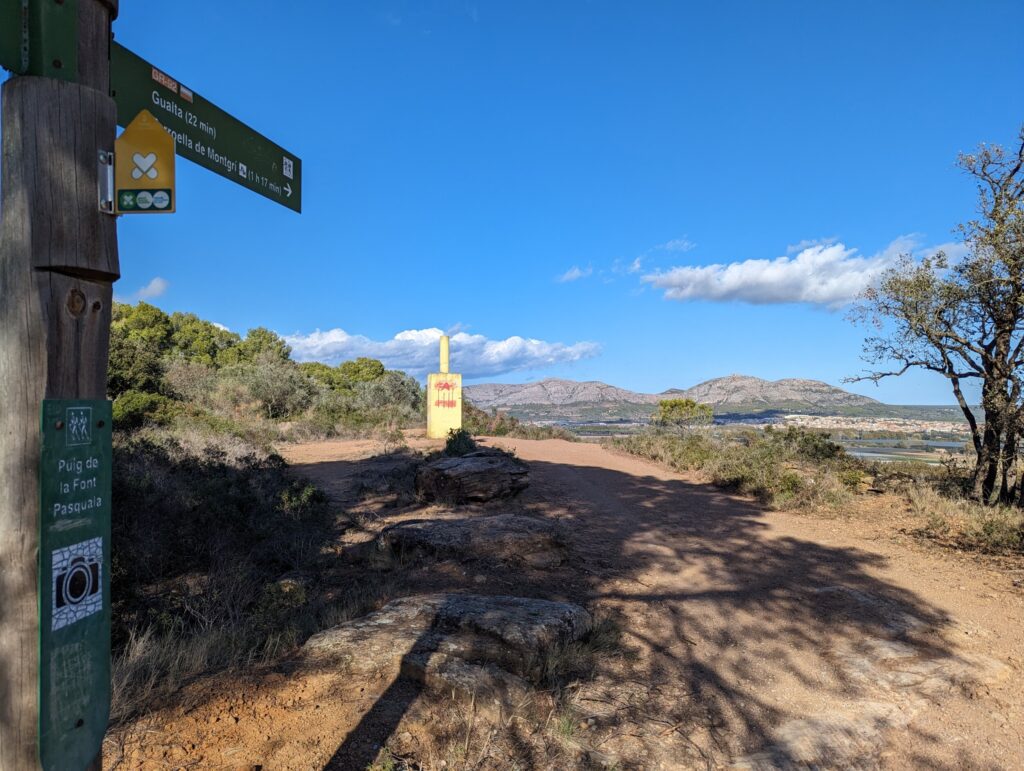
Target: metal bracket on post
[(105, 181)]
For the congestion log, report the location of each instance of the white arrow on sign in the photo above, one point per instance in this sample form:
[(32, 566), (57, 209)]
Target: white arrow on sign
[(288, 189)]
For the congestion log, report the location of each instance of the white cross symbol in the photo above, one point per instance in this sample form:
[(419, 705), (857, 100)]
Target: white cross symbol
[(144, 164)]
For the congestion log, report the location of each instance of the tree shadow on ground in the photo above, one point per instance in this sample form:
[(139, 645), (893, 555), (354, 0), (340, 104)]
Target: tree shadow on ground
[(727, 611)]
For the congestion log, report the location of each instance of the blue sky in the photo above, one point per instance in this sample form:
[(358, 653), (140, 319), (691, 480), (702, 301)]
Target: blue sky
[(550, 171)]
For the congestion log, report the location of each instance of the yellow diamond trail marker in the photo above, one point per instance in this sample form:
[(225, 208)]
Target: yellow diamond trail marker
[(144, 168), (444, 398)]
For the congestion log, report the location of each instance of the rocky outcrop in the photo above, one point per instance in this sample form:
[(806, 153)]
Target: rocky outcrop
[(509, 538), (478, 647), (474, 478)]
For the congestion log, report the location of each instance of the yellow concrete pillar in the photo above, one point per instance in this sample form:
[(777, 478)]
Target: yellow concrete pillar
[(444, 398)]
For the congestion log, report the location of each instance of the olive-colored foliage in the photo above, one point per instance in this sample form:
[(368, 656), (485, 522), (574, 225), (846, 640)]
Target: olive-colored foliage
[(243, 386), (200, 341), (679, 414), (360, 370), (277, 385), (324, 374), (480, 423), (964, 320), (144, 322), (792, 467), (134, 363), (459, 442), (259, 343), (347, 375), (134, 409)]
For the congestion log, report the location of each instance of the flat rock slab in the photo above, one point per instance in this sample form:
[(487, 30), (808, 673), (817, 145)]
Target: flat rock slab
[(492, 690), (509, 538), (511, 632), (476, 477)]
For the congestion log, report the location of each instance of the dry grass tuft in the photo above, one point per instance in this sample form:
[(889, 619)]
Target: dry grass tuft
[(966, 524)]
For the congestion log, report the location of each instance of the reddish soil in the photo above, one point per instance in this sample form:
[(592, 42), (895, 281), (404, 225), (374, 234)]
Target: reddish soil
[(756, 639)]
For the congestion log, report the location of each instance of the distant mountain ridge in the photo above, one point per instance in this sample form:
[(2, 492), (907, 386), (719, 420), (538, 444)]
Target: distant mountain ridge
[(555, 398), (747, 391), (552, 391)]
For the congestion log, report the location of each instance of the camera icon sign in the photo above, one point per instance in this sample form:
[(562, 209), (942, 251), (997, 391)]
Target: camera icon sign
[(77, 582)]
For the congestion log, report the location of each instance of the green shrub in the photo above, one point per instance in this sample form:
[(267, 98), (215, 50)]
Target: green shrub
[(792, 467), (480, 423), (134, 409), (459, 443), (205, 531), (299, 499)]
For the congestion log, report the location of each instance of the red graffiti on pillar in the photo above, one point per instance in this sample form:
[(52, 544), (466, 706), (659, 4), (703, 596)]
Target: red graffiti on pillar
[(445, 394)]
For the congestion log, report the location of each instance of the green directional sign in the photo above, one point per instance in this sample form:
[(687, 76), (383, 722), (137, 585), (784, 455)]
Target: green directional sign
[(74, 581), (203, 132), (39, 37), (13, 35)]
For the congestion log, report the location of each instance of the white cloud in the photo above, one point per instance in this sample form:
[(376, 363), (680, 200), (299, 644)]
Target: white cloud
[(575, 273), (153, 289), (416, 351), (150, 291), (828, 274), (683, 244), (806, 242), (954, 250), (636, 265)]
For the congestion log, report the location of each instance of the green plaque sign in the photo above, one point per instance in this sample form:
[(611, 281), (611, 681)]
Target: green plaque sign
[(14, 35), (39, 37), (74, 581), (203, 132)]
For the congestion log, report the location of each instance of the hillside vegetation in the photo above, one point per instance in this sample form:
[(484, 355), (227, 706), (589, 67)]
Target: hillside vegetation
[(178, 369), (795, 468), (214, 542)]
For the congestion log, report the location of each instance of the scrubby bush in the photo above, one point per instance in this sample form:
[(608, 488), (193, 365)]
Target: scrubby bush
[(134, 409), (480, 423), (966, 524), (208, 527), (248, 387), (793, 467), (204, 530), (681, 414), (277, 385), (459, 443)]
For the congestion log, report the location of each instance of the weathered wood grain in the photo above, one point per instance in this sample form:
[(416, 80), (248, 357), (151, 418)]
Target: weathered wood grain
[(52, 133), (58, 258)]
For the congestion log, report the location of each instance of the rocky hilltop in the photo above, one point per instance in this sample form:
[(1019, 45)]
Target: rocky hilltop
[(569, 400), (555, 392), (751, 392)]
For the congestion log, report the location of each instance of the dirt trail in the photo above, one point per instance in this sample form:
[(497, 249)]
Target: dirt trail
[(759, 639), (796, 629)]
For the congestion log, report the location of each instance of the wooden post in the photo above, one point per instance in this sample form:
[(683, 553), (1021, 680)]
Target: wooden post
[(58, 260)]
